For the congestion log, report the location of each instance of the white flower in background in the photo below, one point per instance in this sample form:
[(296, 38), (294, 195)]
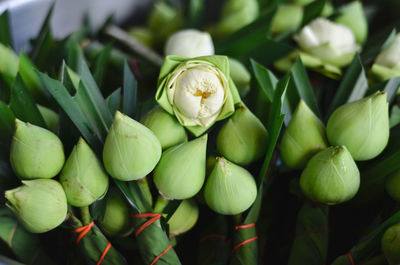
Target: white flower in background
[(390, 57), (387, 63), (331, 43), (189, 43), (198, 93)]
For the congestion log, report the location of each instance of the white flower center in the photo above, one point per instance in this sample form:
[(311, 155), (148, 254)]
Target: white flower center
[(199, 93)]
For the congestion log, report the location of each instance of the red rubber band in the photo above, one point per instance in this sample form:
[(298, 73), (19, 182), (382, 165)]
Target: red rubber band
[(154, 217), (244, 243), (244, 226), (350, 258), (206, 237), (104, 253), (161, 254), (83, 231)]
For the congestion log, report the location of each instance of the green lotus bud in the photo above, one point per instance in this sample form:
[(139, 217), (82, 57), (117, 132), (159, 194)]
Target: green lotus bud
[(387, 63), (240, 76), (287, 17), (393, 185), (184, 218), (189, 43), (117, 220), (235, 15), (328, 42), (164, 20), (35, 152), (390, 244), (230, 189), (303, 138), (181, 171), (352, 15), (144, 35), (362, 126), (331, 176), (83, 177), (40, 205), (167, 129), (243, 138), (131, 150), (50, 117)]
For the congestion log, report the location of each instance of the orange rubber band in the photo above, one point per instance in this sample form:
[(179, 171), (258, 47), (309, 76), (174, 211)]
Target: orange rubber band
[(154, 217), (244, 243), (244, 226), (83, 231), (104, 253), (206, 237), (161, 254), (350, 258)]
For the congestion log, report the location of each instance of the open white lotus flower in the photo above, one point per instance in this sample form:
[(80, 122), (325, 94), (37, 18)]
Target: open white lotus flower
[(331, 43), (197, 91), (189, 43)]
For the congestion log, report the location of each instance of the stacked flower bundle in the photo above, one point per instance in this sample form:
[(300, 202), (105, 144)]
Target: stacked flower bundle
[(265, 134)]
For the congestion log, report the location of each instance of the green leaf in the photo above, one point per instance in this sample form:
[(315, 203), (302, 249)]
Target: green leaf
[(368, 244), (114, 101), (23, 105), (25, 245), (6, 125), (129, 104), (72, 109), (299, 88), (312, 11), (274, 127), (170, 208), (42, 44), (5, 29), (276, 50), (123, 187), (265, 79), (243, 41), (100, 64), (195, 11), (353, 87), (310, 245)]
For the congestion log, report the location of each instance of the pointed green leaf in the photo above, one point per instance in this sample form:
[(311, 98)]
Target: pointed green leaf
[(129, 104), (101, 63), (5, 29), (312, 11), (265, 79), (114, 101)]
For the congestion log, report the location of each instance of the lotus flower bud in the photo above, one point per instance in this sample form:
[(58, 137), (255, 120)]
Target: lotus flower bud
[(40, 205), (390, 244), (240, 76), (83, 177), (167, 129), (164, 20), (287, 17), (393, 185), (50, 117), (329, 42), (331, 176), (184, 218), (35, 152), (303, 138), (362, 126), (387, 63), (235, 15), (189, 43), (243, 139), (230, 189), (117, 220), (352, 15), (131, 150), (181, 171)]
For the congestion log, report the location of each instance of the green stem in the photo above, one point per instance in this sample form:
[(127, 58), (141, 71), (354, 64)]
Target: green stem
[(160, 204), (145, 189), (85, 215), (237, 219)]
